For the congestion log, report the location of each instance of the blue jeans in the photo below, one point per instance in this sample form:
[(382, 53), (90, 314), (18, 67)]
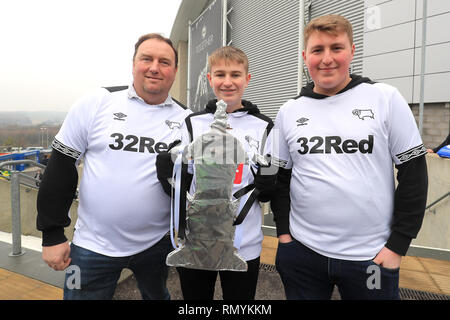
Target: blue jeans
[(98, 274), (307, 275)]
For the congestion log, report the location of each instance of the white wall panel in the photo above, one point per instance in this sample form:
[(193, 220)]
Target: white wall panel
[(390, 13), (436, 88), (389, 65), (434, 7), (438, 29), (437, 58), (394, 38), (404, 85), (397, 42)]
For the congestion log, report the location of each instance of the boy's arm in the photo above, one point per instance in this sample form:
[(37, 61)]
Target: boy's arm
[(408, 154), (409, 204), (281, 204), (281, 201)]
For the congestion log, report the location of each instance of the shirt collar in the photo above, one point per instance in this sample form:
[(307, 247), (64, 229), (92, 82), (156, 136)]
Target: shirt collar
[(132, 94)]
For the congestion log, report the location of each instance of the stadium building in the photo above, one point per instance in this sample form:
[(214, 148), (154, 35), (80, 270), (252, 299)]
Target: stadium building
[(387, 35)]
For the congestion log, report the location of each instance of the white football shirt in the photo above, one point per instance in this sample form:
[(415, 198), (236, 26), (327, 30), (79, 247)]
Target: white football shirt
[(122, 209), (341, 150)]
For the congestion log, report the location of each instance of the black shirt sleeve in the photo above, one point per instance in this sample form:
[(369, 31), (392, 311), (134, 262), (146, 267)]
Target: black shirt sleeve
[(55, 196), (409, 204), (281, 201)]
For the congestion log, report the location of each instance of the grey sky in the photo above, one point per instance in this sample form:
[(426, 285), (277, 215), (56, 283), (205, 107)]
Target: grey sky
[(53, 51)]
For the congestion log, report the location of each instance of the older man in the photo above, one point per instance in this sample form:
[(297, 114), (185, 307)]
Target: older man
[(123, 213)]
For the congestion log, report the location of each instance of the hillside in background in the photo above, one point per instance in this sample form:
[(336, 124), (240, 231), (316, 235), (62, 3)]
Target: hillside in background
[(31, 118), (25, 129)]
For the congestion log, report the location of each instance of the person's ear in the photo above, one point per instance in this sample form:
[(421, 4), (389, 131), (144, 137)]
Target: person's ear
[(208, 75), (247, 79)]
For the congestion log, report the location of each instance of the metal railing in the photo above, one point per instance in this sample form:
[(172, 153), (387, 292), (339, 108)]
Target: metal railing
[(436, 202), (15, 201)]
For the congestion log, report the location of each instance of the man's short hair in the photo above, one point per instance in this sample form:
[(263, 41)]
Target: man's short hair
[(228, 53), (157, 36), (331, 24)]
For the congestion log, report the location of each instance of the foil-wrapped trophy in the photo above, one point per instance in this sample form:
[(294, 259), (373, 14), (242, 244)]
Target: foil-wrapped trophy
[(211, 210)]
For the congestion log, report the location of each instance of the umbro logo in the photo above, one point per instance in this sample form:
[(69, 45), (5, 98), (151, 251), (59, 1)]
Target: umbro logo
[(120, 116), (302, 122)]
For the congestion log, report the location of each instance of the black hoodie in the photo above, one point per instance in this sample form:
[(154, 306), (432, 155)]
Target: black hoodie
[(248, 107), (308, 90), (409, 199)]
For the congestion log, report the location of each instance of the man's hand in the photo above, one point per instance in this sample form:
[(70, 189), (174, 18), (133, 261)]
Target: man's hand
[(388, 259), (284, 238), (265, 180), (164, 167), (57, 256)]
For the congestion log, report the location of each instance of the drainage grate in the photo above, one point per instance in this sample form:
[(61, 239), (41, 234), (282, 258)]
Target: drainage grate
[(410, 294)]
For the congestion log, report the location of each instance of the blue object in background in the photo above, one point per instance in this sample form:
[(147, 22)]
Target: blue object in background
[(31, 155), (444, 152)]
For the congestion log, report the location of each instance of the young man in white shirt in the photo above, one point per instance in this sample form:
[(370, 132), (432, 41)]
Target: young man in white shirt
[(123, 213), (340, 221)]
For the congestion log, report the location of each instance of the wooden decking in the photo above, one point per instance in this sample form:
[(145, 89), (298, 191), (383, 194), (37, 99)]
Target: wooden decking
[(14, 286), (422, 274)]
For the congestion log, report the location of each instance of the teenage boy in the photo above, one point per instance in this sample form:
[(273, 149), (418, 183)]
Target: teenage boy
[(229, 77), (340, 221)]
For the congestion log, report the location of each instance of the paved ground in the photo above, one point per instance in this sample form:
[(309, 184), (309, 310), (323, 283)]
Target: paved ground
[(269, 287), (27, 271)]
